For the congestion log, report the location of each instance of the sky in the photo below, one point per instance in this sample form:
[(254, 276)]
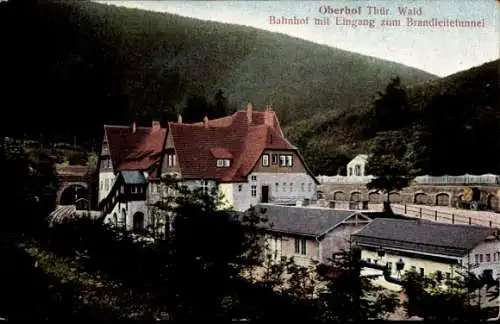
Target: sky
[(441, 51)]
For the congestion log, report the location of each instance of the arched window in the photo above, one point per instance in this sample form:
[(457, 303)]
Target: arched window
[(123, 220), (357, 170), (138, 222)]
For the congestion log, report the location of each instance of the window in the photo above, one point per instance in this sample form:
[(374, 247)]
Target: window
[(284, 186), (122, 189), (480, 258), (282, 160), (389, 266), (254, 191), (134, 189), (302, 187), (494, 257), (291, 187), (375, 261), (223, 163), (254, 178), (172, 160), (274, 158), (368, 260), (106, 184), (476, 258), (300, 246), (422, 272), (309, 187), (350, 171), (413, 269), (204, 186), (289, 161), (487, 258), (357, 170), (265, 160), (240, 188), (277, 186)]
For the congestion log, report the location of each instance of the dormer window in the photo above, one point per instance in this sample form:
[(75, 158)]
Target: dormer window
[(274, 159), (171, 160), (265, 160), (286, 160), (223, 163)]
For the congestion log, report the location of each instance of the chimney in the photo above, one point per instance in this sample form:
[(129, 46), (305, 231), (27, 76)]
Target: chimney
[(155, 125), (249, 112), (179, 119), (134, 127), (268, 116), (205, 122)]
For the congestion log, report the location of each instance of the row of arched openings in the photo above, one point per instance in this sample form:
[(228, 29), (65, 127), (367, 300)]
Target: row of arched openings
[(137, 220), (441, 199)]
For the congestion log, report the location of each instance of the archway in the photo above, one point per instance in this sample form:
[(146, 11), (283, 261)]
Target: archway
[(493, 203), (73, 194), (375, 197), (422, 199), (82, 204), (138, 222), (442, 199), (339, 195), (356, 196), (395, 197)]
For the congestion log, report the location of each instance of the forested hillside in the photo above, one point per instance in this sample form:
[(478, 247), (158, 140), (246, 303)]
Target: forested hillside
[(457, 116), (70, 66)]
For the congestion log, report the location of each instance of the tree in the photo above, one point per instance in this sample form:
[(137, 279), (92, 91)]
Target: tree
[(196, 108), (221, 105), (391, 163), (350, 296), (435, 298), (391, 110)]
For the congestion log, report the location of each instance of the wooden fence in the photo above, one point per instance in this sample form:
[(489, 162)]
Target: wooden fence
[(459, 217)]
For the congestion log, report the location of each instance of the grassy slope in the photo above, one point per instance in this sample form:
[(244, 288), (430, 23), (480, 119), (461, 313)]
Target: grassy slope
[(97, 64)]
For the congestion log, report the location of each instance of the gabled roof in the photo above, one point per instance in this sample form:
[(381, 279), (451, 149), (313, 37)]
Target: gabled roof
[(422, 236), (239, 137), (133, 177), (139, 150), (303, 221)]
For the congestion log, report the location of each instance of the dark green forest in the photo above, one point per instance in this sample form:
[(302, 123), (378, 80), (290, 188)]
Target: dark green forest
[(453, 123), (68, 67)]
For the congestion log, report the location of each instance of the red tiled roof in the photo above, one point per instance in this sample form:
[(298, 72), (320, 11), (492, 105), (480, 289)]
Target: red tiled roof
[(196, 143), (198, 146), (139, 150), (221, 153)]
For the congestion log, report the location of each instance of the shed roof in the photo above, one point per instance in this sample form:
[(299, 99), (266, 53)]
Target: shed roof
[(133, 177), (306, 221), (422, 236)]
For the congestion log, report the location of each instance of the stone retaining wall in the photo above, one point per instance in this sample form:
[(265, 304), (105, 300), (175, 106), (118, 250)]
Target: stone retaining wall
[(419, 194)]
